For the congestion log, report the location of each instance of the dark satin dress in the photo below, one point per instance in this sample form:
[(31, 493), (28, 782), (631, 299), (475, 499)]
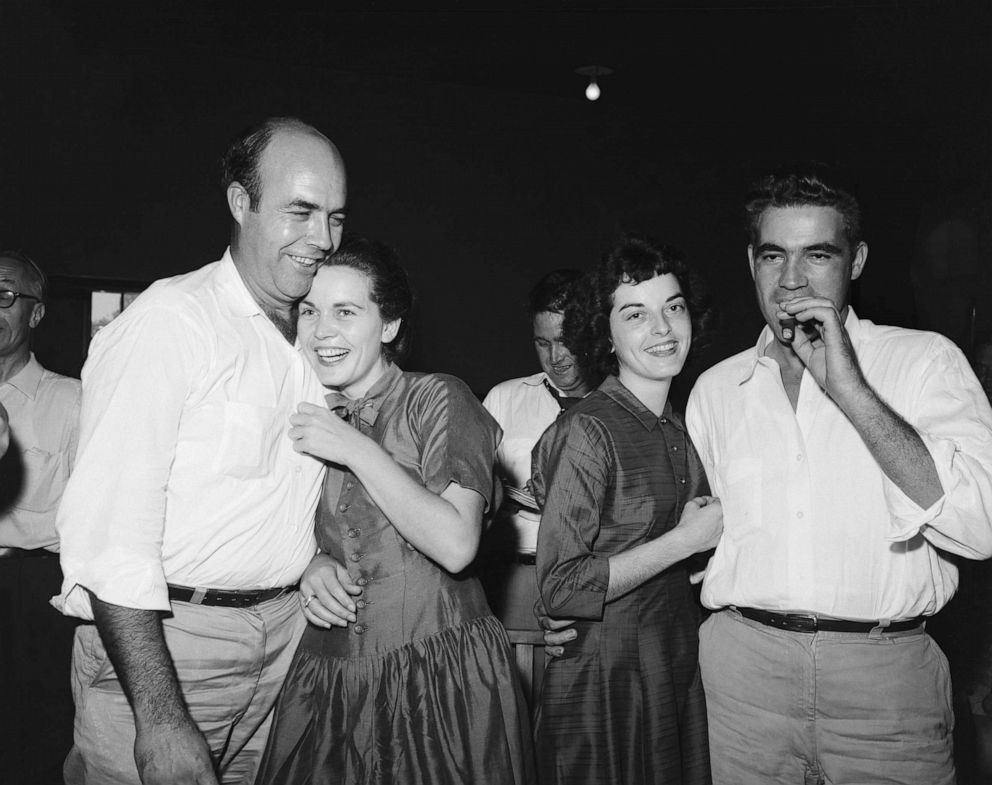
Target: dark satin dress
[(624, 705), (423, 687)]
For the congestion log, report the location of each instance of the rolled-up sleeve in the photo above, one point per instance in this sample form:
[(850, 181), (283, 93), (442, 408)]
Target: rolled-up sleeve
[(571, 470), (954, 420), (110, 522)]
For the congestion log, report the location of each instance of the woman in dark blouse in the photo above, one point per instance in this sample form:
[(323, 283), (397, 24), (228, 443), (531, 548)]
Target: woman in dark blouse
[(620, 488), (421, 687)]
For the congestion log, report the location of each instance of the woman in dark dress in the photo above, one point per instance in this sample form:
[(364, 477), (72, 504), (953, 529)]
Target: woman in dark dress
[(620, 488), (421, 687)]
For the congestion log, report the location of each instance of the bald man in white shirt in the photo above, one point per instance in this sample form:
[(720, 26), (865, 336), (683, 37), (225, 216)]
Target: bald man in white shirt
[(188, 519), (852, 461)]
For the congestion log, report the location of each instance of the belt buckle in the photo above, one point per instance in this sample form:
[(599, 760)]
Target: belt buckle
[(802, 622)]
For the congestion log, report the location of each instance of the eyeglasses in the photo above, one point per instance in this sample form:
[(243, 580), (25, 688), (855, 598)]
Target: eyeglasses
[(8, 298)]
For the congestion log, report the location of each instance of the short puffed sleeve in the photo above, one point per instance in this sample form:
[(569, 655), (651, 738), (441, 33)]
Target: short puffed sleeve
[(457, 437)]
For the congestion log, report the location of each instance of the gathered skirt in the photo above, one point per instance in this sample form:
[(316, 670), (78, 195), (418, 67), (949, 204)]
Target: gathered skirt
[(444, 709)]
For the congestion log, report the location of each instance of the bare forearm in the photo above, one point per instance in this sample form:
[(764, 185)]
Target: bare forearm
[(427, 521), (895, 446), (630, 569), (136, 646)]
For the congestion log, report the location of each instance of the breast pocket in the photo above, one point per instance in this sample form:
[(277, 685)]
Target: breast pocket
[(247, 439), (39, 491)]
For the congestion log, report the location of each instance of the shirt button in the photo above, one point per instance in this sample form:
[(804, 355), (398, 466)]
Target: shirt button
[(663, 421), (354, 532), (360, 603), (363, 581), (410, 547), (356, 556), (682, 480), (349, 485), (359, 629), (343, 507), (675, 448), (799, 457), (799, 514)]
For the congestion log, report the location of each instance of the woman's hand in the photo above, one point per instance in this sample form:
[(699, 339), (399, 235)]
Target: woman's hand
[(701, 523), (319, 432), (326, 592)]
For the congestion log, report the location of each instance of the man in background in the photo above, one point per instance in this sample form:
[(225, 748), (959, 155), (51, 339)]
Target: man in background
[(36, 643), (524, 408), (852, 461), (188, 520)]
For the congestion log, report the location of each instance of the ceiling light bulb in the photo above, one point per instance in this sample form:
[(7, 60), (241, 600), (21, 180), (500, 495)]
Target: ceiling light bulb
[(593, 72)]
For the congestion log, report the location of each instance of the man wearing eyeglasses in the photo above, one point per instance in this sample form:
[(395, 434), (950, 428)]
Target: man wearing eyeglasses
[(35, 642), (43, 408)]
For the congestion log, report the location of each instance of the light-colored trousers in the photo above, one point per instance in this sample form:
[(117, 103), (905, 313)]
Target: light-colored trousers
[(824, 708), (231, 663)]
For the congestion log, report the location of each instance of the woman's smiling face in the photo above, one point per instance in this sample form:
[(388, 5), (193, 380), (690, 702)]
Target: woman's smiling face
[(342, 331), (650, 330)]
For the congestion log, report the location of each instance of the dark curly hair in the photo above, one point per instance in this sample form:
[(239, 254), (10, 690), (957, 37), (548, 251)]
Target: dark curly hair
[(806, 186), (553, 291), (390, 286), (632, 259)]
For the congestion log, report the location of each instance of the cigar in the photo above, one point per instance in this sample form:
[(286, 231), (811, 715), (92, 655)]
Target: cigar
[(788, 329)]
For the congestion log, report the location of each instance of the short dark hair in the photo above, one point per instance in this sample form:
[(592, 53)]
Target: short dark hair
[(390, 285), (241, 162), (553, 291), (632, 259), (809, 186), (34, 280)]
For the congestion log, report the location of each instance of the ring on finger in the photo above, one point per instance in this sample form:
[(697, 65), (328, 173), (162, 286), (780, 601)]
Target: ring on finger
[(306, 603)]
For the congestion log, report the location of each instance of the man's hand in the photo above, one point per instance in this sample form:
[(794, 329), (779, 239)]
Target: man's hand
[(167, 755), (326, 591), (824, 347), (557, 632), (169, 748)]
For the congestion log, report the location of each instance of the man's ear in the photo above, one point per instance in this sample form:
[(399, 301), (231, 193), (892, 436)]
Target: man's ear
[(750, 259), (37, 314), (238, 201), (860, 258)]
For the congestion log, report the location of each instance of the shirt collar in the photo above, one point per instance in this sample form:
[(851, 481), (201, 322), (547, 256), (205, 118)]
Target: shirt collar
[(542, 378), (614, 388), (236, 294), (852, 324), (366, 409), (28, 379)]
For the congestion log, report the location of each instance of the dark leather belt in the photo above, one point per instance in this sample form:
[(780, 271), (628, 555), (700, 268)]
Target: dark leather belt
[(225, 597), (523, 558), (26, 553), (808, 622)]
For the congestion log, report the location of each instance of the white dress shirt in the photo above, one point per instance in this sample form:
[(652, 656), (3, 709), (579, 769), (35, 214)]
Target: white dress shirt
[(44, 424), (811, 523), (524, 409), (185, 473)]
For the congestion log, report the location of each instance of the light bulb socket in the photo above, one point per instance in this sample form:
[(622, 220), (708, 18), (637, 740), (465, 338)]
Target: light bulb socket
[(593, 90)]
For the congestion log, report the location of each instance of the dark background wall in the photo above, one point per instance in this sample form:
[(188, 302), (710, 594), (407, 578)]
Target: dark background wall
[(472, 150)]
